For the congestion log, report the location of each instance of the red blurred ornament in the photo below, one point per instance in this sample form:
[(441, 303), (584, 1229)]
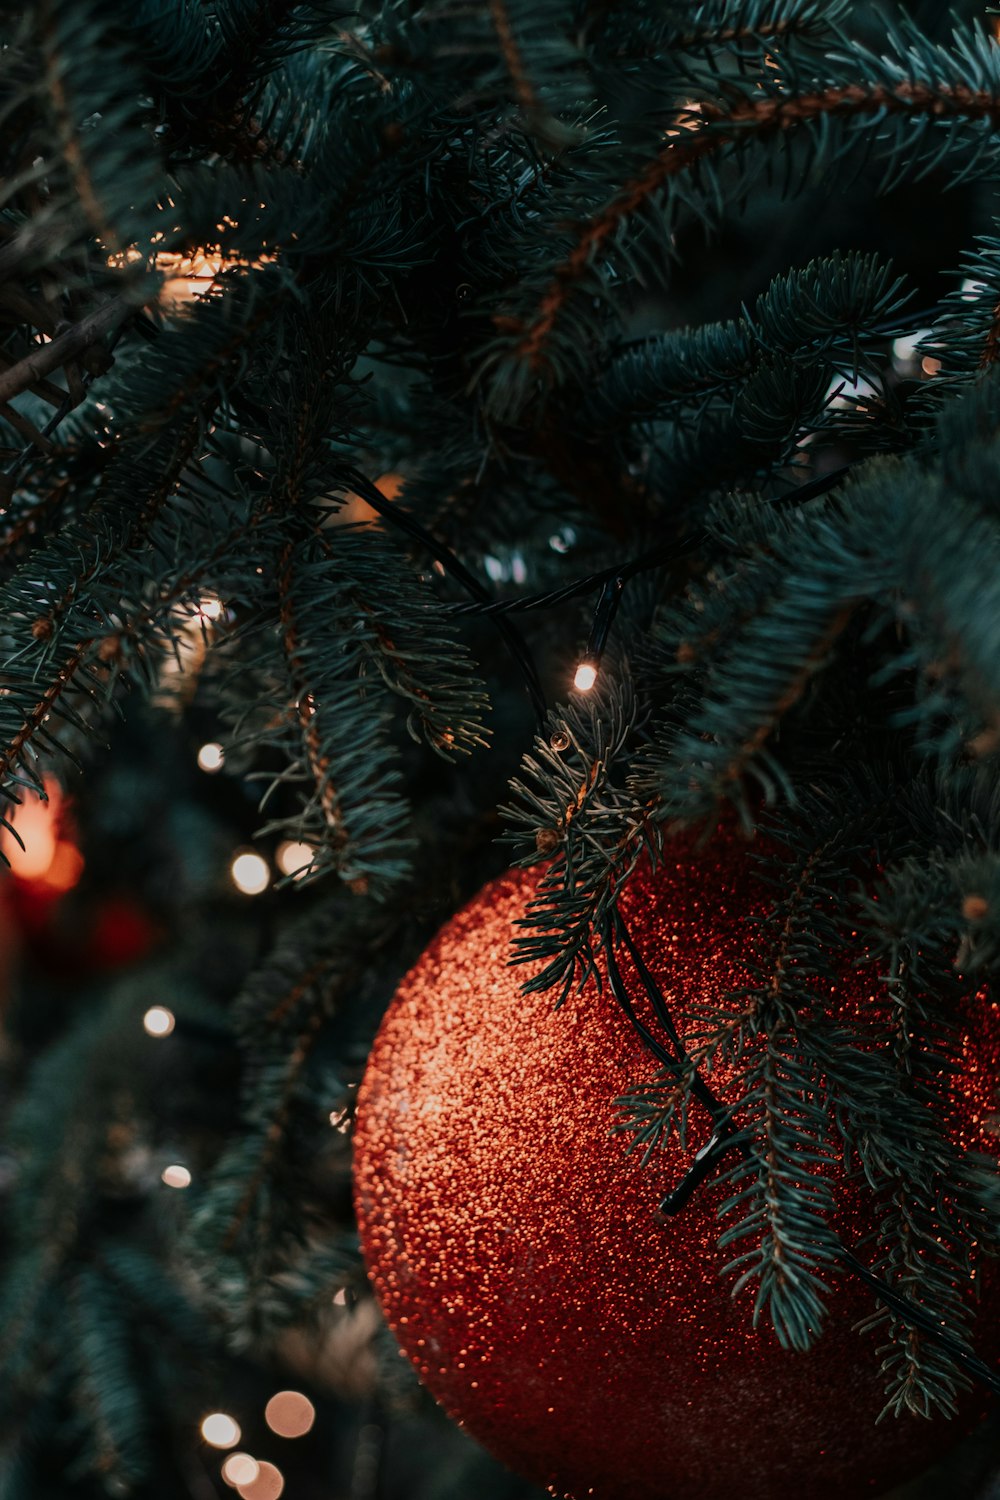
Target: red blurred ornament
[(514, 1246), (122, 933), (46, 864)]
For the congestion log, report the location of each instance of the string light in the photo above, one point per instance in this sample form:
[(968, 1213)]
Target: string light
[(250, 873), (220, 1430), (211, 608), (340, 1297), (240, 1468), (289, 1414), (268, 1484), (192, 274), (158, 1021), (293, 858), (604, 614), (211, 757), (176, 1176)]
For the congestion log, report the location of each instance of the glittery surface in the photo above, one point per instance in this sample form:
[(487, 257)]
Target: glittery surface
[(513, 1246)]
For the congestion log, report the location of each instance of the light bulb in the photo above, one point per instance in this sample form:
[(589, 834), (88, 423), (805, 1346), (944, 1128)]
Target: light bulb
[(158, 1021), (250, 873), (294, 858), (176, 1176), (211, 757), (586, 676), (220, 1430)]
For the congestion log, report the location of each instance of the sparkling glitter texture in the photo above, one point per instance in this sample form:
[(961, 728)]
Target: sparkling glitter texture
[(513, 1246)]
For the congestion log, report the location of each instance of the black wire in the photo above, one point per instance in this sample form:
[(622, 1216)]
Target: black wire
[(404, 521), (699, 1087), (655, 557), (723, 1137), (727, 1137), (912, 1312), (604, 615)]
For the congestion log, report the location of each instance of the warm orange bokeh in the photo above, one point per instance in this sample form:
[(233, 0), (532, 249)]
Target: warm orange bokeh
[(49, 860)]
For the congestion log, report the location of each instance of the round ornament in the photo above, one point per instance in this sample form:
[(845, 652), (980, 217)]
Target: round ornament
[(514, 1245)]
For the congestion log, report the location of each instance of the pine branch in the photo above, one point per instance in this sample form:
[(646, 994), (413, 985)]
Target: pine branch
[(572, 814), (254, 1216), (941, 88), (829, 314)]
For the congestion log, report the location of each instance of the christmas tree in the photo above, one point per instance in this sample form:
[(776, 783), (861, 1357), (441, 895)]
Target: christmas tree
[(442, 438)]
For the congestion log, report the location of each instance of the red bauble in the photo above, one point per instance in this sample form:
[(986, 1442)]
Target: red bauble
[(514, 1249)]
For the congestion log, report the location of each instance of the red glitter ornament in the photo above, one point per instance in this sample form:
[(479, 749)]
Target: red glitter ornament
[(514, 1247)]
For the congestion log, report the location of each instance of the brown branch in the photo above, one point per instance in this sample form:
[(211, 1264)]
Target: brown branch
[(44, 627), (791, 695), (524, 90), (319, 764), (69, 140), (727, 35), (65, 346), (785, 938), (991, 349), (761, 117), (36, 717), (33, 517), (280, 1012), (275, 1131)]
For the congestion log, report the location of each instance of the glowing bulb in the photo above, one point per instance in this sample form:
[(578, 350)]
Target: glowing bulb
[(586, 676), (289, 1414), (158, 1021), (176, 1176), (340, 1297), (211, 608), (268, 1484), (220, 1431), (210, 757), (48, 857), (240, 1468), (250, 874), (294, 858)]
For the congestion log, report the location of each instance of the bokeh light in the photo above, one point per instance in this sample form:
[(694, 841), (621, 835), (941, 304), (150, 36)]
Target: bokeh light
[(250, 873), (211, 757), (220, 1430), (293, 858), (240, 1469), (268, 1484), (158, 1021), (289, 1414)]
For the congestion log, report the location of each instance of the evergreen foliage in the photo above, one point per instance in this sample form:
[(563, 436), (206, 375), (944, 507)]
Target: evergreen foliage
[(339, 353)]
